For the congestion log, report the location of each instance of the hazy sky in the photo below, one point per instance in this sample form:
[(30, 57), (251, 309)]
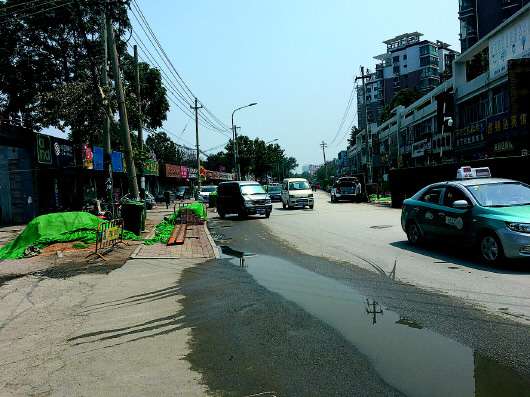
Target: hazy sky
[(296, 58)]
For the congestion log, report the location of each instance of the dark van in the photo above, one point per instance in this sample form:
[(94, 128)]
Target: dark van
[(242, 198)]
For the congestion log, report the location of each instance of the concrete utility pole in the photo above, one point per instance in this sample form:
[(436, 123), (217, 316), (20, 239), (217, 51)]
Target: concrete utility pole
[(140, 124), (368, 146), (324, 145), (124, 123), (196, 108), (107, 159)]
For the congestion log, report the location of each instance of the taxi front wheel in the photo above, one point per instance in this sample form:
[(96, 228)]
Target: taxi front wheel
[(414, 233), (491, 249)]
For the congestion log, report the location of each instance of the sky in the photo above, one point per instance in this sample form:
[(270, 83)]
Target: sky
[(296, 58)]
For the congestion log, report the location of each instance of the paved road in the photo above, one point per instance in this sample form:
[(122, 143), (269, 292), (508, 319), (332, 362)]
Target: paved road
[(269, 318), (371, 237)]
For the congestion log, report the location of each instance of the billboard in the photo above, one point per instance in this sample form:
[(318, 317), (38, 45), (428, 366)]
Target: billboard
[(513, 42)]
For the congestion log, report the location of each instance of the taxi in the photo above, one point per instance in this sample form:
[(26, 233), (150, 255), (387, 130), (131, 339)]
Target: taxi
[(491, 214)]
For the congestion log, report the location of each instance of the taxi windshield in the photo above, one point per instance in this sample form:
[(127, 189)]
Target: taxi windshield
[(501, 194)]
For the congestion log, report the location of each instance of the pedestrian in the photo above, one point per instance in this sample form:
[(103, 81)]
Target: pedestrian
[(167, 199), (358, 191)]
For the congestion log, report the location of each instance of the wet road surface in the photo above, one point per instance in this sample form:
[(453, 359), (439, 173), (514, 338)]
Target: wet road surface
[(267, 318)]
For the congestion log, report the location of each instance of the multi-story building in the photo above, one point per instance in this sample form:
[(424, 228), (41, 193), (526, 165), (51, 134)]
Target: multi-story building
[(479, 17), (374, 97), (413, 63)]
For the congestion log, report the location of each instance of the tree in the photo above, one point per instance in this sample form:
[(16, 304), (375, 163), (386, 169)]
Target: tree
[(218, 161), (50, 69), (164, 148), (353, 136), (404, 97)]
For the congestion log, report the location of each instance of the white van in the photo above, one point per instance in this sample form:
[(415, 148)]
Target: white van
[(296, 192)]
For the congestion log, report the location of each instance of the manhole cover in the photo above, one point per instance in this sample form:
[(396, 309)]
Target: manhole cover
[(380, 227)]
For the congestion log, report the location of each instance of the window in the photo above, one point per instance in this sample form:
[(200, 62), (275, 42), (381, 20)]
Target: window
[(453, 194), (405, 57), (299, 185), (433, 195), (396, 69), (396, 59), (501, 194), (252, 189)]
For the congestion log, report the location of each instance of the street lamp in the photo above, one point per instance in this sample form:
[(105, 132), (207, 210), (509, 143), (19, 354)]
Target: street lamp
[(234, 140), (274, 140)]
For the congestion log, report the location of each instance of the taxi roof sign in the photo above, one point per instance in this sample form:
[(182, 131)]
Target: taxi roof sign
[(472, 173)]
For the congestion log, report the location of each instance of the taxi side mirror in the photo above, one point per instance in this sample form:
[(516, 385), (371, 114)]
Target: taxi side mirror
[(461, 205)]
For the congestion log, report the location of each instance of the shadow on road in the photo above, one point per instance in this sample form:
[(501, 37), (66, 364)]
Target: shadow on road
[(462, 256)]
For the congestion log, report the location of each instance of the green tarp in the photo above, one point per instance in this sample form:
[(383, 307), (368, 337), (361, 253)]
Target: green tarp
[(54, 228)]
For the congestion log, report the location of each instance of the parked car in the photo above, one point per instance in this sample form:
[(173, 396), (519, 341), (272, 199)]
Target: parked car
[(346, 188), (183, 193), (275, 191), (243, 198), (204, 193), (490, 214), (296, 192)]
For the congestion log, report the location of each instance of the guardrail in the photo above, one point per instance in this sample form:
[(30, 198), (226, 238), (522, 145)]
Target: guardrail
[(109, 234)]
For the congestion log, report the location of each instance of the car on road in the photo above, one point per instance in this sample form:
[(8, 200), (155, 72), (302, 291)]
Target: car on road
[(275, 191), (243, 198), (491, 214), (346, 188), (183, 193), (296, 192), (204, 193)]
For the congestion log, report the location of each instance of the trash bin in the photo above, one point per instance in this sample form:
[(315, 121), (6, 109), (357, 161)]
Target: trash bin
[(133, 214)]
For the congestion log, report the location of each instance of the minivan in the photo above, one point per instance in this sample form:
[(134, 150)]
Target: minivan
[(242, 198)]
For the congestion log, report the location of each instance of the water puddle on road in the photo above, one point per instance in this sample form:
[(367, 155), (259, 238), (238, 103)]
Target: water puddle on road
[(413, 359)]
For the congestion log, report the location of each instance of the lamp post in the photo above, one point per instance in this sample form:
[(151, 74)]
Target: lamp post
[(237, 169), (274, 140)]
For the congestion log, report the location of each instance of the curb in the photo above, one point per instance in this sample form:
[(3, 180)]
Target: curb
[(137, 249), (212, 243)]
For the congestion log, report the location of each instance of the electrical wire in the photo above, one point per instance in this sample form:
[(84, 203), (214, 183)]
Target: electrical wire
[(344, 116), (6, 17), (139, 15)]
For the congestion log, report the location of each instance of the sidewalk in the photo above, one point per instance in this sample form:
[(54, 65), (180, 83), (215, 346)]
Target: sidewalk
[(198, 245)]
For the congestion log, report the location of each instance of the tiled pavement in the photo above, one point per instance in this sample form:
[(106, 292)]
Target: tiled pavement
[(198, 245)]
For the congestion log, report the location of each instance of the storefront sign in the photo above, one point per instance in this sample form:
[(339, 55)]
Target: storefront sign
[(44, 150), (192, 173), (172, 171), (151, 167), (88, 157), (117, 162), (505, 146), (64, 154), (418, 148), (97, 158), (510, 43), (183, 172)]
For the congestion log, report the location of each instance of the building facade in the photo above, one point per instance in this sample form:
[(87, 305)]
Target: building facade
[(480, 17)]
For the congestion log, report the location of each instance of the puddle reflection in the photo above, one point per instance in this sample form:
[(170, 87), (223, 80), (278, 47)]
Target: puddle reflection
[(415, 360)]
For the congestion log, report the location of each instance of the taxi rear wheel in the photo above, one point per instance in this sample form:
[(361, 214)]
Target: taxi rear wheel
[(491, 249), (414, 233)]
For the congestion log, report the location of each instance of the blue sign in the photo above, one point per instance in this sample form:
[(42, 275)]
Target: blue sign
[(97, 158), (117, 161)]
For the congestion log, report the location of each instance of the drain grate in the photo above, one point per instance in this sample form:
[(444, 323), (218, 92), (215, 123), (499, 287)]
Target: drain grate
[(381, 227)]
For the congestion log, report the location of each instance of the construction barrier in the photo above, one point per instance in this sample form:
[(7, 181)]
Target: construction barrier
[(108, 235)]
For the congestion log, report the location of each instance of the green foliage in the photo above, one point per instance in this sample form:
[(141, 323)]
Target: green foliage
[(353, 134), (50, 66), (256, 158), (163, 147), (404, 97)]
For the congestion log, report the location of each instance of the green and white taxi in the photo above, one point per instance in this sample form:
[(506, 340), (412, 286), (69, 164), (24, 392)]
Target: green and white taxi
[(491, 214)]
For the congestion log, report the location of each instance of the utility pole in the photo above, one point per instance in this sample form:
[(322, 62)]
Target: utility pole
[(372, 308), (196, 108), (324, 145), (124, 123), (234, 149), (107, 156), (140, 124), (238, 165), (368, 146)]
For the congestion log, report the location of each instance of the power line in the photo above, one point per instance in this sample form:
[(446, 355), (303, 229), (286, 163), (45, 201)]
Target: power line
[(6, 17), (345, 115), (168, 62)]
